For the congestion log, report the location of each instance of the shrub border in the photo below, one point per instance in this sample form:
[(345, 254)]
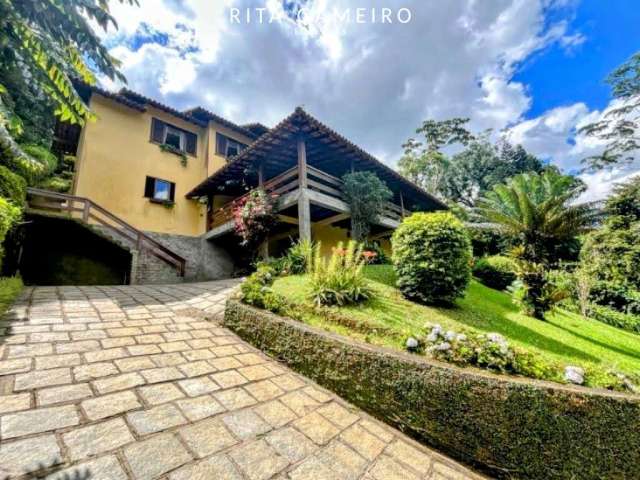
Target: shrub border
[(508, 427)]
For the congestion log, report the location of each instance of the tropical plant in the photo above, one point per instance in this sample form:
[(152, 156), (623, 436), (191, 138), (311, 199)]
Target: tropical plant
[(423, 161), (298, 257), (366, 195), (338, 280), (619, 126), (495, 271), (539, 211), (254, 216), (432, 257), (611, 254)]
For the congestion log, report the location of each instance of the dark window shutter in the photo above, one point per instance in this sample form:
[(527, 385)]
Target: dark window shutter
[(149, 187), (221, 144), (172, 192), (192, 143), (157, 130)]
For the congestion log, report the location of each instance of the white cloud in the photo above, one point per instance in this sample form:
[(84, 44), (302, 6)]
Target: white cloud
[(373, 82)]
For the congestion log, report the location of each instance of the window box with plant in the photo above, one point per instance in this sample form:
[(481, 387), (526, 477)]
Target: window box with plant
[(174, 140)]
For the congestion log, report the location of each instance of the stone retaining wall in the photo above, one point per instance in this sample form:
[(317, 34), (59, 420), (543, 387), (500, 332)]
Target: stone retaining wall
[(510, 427)]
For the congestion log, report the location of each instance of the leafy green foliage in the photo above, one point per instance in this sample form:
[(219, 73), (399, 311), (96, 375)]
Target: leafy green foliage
[(10, 214), (12, 186), (165, 147), (432, 257), (10, 288), (482, 165), (339, 280), (423, 163), (42, 155), (366, 195), (619, 125), (298, 257), (490, 351), (539, 211), (495, 271), (615, 318), (611, 254)]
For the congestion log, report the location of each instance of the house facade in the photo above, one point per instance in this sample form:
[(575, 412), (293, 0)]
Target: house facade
[(174, 176)]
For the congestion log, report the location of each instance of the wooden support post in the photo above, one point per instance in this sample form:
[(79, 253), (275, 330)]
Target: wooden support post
[(401, 205), (304, 216), (85, 211), (261, 173), (304, 208), (264, 249), (302, 163)]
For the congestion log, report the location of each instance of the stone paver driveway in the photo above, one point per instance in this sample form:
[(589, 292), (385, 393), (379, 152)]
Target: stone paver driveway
[(134, 383)]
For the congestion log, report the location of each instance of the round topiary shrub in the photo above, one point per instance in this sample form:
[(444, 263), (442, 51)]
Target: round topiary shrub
[(495, 271), (432, 257)]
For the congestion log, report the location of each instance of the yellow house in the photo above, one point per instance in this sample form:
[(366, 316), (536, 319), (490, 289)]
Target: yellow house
[(174, 176)]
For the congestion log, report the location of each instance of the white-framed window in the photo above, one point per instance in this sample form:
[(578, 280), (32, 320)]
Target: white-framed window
[(174, 137)]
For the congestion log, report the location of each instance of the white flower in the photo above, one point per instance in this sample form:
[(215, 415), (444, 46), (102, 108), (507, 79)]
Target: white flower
[(412, 343), (496, 338), (461, 337), (436, 328), (450, 335), (442, 347), (432, 337), (574, 375)]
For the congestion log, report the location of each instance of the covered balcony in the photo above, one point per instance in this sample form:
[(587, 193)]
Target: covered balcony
[(302, 161)]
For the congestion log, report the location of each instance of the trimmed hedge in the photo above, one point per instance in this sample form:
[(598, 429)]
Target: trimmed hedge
[(432, 257), (509, 427), (614, 318), (495, 271)]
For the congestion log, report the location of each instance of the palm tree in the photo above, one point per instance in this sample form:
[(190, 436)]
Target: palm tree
[(539, 211)]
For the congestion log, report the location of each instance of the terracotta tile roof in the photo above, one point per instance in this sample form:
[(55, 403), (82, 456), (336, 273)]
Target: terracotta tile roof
[(198, 115), (291, 125)]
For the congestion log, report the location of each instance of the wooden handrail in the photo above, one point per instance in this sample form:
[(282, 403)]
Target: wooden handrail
[(324, 183), (139, 238)]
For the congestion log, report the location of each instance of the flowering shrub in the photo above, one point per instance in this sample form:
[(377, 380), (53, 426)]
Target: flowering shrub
[(339, 280), (490, 351), (254, 215)]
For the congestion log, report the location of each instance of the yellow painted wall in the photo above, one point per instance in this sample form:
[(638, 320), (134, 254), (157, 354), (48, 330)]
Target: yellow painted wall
[(329, 237), (115, 155), (217, 161)]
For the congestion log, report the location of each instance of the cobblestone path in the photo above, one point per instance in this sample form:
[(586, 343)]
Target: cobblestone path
[(132, 382)]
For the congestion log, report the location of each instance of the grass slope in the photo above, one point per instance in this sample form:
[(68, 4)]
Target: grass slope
[(10, 288), (564, 339)]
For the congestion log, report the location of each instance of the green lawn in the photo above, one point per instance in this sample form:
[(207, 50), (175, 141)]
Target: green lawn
[(564, 339), (10, 288)]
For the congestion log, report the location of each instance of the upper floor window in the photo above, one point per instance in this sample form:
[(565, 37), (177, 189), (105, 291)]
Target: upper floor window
[(164, 133), (228, 147)]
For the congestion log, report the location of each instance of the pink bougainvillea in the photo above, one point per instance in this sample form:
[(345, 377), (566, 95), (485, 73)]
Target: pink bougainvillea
[(254, 215)]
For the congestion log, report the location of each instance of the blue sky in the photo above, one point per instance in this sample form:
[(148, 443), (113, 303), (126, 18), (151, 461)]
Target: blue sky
[(532, 70), (558, 77)]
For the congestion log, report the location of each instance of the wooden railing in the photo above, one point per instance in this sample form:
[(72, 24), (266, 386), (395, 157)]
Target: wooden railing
[(288, 181), (284, 183), (81, 208)]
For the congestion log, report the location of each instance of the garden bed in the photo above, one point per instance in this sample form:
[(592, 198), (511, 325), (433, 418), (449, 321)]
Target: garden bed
[(511, 427), (564, 339)]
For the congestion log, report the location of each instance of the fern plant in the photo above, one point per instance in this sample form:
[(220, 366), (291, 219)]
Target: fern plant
[(338, 280)]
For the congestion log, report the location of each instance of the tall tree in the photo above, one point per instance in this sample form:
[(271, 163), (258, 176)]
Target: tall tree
[(539, 211), (423, 162), (620, 126), (51, 42)]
